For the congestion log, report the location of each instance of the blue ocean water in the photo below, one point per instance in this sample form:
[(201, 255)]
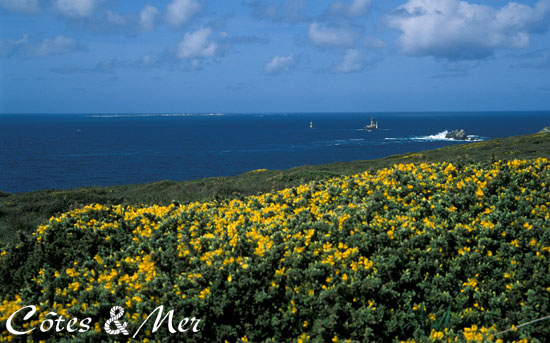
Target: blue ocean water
[(67, 151)]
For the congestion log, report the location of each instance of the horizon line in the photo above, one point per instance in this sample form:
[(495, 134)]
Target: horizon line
[(265, 112)]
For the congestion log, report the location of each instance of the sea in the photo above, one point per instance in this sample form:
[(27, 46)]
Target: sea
[(63, 151)]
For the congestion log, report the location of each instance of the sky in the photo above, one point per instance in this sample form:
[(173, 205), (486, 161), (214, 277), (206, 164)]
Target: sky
[(256, 56)]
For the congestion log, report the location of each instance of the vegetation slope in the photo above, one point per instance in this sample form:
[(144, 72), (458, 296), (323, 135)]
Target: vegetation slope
[(417, 252)]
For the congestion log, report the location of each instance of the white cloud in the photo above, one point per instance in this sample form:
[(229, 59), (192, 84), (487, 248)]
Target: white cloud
[(355, 8), (148, 61), (115, 18), (75, 8), (56, 46), (359, 7), (179, 12), (109, 66), (454, 29), (196, 45), (294, 10), (375, 43), (279, 64), (330, 36), (50, 46), (148, 17), (23, 6), (352, 62), (10, 47)]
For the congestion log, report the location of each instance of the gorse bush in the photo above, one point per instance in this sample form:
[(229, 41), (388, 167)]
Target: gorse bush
[(417, 252)]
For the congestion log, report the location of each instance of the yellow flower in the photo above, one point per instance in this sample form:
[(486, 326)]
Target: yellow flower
[(204, 293), (436, 334), (472, 334), (471, 282), (479, 192)]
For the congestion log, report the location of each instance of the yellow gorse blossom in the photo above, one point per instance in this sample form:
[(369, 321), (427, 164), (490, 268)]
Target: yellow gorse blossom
[(346, 238)]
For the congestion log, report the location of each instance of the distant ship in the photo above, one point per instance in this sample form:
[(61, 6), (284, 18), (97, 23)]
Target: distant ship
[(373, 125)]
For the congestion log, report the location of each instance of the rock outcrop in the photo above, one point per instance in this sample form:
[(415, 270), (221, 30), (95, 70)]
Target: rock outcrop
[(545, 130), (457, 134)]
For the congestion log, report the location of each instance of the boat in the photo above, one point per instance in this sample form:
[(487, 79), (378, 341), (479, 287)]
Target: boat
[(311, 125), (373, 124)]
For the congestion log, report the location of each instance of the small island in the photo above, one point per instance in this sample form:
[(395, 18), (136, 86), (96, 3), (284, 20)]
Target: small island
[(459, 135)]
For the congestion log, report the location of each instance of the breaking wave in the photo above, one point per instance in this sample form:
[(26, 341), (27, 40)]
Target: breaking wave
[(441, 136)]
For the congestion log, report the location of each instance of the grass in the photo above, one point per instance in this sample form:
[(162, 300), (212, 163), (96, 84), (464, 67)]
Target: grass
[(21, 213)]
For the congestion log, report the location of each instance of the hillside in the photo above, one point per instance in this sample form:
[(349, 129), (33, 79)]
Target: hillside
[(25, 211), (426, 252)]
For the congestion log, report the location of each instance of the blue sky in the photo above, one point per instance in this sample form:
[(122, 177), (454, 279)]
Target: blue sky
[(108, 56)]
